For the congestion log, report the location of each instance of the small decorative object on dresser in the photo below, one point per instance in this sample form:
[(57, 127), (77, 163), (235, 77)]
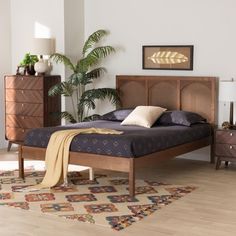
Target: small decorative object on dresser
[(27, 105), (225, 146)]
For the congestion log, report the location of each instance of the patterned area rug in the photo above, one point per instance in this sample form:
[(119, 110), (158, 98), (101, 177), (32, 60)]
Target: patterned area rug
[(104, 201)]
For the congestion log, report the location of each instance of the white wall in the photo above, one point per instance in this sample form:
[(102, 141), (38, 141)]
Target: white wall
[(59, 19), (74, 28), (74, 35), (207, 24), (5, 65), (32, 18)]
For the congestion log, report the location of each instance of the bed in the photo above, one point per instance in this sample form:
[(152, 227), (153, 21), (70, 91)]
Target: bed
[(138, 146)]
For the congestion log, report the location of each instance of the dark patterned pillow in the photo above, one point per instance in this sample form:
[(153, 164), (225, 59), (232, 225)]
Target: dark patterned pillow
[(117, 115), (185, 118)]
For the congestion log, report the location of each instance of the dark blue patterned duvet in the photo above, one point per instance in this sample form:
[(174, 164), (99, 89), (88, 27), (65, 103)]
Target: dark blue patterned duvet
[(134, 142)]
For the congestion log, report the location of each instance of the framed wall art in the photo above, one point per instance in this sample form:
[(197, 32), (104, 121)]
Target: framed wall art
[(168, 57)]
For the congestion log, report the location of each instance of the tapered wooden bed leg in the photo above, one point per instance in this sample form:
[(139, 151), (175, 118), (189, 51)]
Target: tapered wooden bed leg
[(132, 177), (21, 163)]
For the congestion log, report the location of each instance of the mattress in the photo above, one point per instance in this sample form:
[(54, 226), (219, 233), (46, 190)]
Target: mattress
[(134, 142)]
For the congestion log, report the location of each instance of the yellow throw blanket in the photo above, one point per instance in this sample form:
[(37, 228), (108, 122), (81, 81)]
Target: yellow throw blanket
[(57, 155)]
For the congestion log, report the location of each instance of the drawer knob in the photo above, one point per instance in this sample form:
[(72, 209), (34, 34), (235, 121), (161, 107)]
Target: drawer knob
[(230, 147), (22, 78), (231, 134), (22, 91), (23, 130)]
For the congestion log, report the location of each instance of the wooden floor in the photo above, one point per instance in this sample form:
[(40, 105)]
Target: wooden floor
[(208, 211)]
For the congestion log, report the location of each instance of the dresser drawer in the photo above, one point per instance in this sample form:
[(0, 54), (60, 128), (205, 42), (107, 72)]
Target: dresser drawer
[(226, 150), (226, 136), (24, 96), (24, 82), (24, 121), (29, 109), (16, 134)]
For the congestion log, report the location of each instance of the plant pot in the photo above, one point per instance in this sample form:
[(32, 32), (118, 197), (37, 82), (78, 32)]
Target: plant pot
[(30, 70)]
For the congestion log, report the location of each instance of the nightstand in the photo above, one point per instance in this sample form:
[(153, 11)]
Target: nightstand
[(225, 146)]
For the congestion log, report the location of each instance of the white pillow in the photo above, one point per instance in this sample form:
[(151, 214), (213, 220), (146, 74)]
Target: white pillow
[(143, 116)]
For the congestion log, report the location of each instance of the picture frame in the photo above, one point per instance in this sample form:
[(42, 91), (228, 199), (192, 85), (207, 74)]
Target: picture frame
[(167, 57)]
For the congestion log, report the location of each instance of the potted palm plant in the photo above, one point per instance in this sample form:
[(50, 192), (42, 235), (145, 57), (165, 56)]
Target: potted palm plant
[(84, 72)]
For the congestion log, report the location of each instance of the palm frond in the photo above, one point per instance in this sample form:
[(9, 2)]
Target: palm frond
[(93, 39), (93, 74), (76, 79), (63, 88), (101, 52), (94, 57), (88, 98), (68, 117), (59, 58), (96, 73), (92, 117)]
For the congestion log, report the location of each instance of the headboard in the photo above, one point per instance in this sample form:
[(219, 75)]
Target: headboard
[(196, 94)]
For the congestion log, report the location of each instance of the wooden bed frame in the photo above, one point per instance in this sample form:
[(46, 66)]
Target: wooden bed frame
[(197, 94)]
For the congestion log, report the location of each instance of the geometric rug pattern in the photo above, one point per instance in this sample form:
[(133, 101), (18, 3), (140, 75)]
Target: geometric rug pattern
[(104, 201)]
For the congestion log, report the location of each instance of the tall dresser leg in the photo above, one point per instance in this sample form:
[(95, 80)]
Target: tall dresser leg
[(21, 163), (9, 146)]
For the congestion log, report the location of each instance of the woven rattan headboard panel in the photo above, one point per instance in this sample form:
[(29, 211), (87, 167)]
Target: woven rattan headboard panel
[(196, 94)]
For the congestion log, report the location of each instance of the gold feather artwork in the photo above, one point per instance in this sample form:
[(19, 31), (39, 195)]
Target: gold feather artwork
[(168, 57)]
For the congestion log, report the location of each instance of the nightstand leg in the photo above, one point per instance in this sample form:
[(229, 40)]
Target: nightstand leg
[(218, 162), (226, 163), (212, 153)]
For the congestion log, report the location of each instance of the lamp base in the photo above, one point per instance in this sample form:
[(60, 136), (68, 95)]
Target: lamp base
[(41, 67)]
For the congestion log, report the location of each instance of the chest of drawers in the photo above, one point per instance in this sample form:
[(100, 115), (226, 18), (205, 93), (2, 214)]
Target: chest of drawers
[(225, 146), (27, 105)]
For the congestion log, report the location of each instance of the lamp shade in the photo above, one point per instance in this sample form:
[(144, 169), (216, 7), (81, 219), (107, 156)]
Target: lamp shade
[(43, 46), (227, 91)]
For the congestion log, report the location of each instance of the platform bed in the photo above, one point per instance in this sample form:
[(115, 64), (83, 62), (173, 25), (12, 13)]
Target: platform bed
[(197, 94)]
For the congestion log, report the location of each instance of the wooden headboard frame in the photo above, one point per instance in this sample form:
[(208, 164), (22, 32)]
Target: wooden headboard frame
[(196, 94)]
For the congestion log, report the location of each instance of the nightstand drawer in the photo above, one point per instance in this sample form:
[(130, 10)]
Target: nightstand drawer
[(226, 150), (226, 136)]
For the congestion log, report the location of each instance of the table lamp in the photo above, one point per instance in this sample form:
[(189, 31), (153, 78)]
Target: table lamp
[(227, 93), (42, 47)]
